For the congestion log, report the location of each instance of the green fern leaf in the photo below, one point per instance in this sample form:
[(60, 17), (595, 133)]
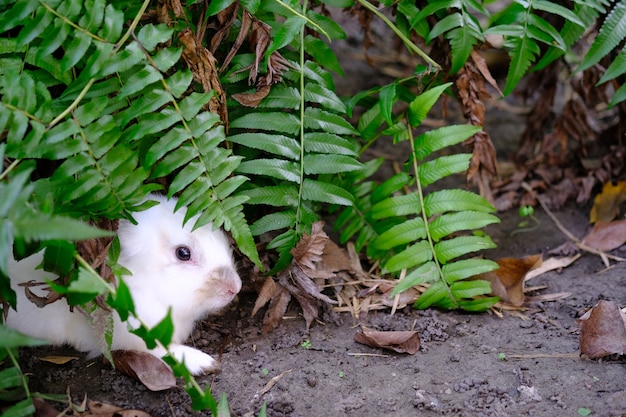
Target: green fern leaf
[(462, 41), (447, 250), (401, 234), (470, 289), (318, 119), (274, 144), (329, 143), (432, 296), (324, 192), (455, 200), (370, 123), (322, 53), (278, 195), (449, 223), (408, 204), (466, 268), (275, 122), (315, 93), (286, 33), (390, 186), (281, 96), (274, 168), (421, 105), (274, 221), (410, 257), (329, 164), (612, 32), (617, 68), (422, 275), (432, 171), (435, 140)]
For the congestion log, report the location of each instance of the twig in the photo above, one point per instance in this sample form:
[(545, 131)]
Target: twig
[(546, 355), (582, 246)]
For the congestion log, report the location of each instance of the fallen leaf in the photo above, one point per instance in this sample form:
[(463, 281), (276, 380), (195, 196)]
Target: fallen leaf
[(606, 236), (606, 204), (507, 282), (58, 360), (551, 264), (145, 368), (99, 409), (603, 331), (278, 298), (399, 341)]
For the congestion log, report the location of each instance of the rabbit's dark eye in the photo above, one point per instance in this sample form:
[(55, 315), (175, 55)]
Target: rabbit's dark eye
[(183, 253)]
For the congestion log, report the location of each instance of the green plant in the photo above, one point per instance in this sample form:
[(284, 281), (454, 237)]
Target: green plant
[(415, 233), (306, 344)]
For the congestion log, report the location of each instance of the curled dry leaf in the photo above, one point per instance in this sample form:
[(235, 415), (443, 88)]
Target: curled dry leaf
[(297, 281), (145, 368), (398, 341), (606, 236), (507, 282), (603, 331)]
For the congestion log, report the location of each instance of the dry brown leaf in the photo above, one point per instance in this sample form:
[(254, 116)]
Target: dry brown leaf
[(203, 65), (99, 409), (550, 265), (278, 298), (145, 368), (309, 249), (252, 99), (603, 331), (606, 236), (44, 409), (398, 341), (606, 204), (507, 282), (58, 360)]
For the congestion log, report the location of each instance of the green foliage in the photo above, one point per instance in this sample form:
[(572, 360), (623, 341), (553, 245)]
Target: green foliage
[(295, 141), (611, 35), (417, 234)]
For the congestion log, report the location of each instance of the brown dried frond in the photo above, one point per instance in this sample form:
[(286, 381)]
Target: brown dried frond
[(203, 65), (473, 93)]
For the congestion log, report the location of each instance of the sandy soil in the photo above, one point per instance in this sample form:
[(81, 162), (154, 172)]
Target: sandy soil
[(459, 370)]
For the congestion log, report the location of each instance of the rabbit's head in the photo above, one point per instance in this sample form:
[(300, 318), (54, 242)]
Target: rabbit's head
[(191, 272)]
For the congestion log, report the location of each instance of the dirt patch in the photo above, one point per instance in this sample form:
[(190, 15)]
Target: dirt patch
[(468, 365)]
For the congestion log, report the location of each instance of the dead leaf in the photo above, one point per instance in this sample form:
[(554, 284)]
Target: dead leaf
[(550, 265), (603, 331), (145, 368), (278, 298), (507, 282), (606, 204), (58, 360), (99, 409), (606, 236), (399, 341), (310, 248)]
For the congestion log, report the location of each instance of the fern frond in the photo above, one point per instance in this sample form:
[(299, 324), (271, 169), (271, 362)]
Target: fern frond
[(612, 32), (418, 234), (522, 29)]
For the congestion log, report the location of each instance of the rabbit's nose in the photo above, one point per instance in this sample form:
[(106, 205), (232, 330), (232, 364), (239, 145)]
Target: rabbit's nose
[(230, 278)]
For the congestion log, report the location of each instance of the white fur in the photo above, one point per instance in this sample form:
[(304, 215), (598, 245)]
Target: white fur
[(159, 280)]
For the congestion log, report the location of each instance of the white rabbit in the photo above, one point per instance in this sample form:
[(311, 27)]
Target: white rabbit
[(191, 272)]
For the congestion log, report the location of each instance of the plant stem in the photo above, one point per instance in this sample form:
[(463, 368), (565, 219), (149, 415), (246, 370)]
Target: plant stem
[(69, 22), (425, 216), (407, 42)]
